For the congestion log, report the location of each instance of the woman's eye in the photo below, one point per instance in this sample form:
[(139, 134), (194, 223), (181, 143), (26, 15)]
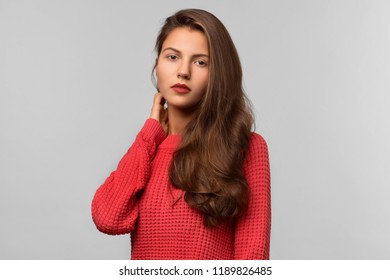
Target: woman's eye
[(201, 63), (172, 57)]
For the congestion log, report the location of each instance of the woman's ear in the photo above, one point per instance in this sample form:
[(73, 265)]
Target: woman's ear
[(155, 71), (155, 67)]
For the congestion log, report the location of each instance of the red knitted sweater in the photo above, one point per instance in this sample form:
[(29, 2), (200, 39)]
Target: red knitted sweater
[(138, 198)]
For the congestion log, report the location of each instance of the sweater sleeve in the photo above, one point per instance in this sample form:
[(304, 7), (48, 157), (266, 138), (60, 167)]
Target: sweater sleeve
[(252, 236), (115, 206)]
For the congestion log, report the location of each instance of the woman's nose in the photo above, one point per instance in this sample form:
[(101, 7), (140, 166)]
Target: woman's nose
[(183, 72)]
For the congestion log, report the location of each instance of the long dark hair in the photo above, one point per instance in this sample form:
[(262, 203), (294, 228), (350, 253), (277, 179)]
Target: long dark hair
[(208, 163)]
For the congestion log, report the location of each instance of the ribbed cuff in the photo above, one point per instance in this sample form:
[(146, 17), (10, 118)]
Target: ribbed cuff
[(152, 129)]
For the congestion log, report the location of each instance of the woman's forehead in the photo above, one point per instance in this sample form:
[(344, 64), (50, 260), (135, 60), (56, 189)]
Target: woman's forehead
[(187, 40)]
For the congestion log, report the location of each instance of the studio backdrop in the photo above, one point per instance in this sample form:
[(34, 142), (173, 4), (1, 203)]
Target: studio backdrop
[(75, 89)]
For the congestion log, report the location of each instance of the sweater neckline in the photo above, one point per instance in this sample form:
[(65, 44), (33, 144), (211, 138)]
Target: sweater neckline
[(172, 141)]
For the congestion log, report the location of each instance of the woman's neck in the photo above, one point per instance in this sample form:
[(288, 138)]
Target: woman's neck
[(178, 119)]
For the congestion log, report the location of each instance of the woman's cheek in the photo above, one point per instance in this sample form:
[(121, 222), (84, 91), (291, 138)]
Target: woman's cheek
[(160, 80), (161, 87)]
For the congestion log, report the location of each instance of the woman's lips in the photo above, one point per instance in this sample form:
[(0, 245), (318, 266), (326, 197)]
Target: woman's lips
[(181, 88)]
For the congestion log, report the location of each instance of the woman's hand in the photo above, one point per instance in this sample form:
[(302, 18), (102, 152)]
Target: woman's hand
[(158, 112)]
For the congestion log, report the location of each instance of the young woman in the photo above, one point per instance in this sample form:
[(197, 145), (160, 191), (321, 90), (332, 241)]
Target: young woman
[(195, 184)]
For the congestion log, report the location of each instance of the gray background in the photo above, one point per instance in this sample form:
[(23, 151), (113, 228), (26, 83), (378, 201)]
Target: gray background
[(75, 88)]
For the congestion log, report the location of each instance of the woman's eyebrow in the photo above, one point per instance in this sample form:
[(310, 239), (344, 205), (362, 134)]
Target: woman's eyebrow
[(179, 52)]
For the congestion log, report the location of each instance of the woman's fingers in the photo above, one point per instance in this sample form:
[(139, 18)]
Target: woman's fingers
[(158, 112), (156, 107)]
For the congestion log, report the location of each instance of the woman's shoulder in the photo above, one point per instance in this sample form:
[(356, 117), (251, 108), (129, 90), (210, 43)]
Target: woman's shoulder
[(256, 164), (257, 150), (257, 141)]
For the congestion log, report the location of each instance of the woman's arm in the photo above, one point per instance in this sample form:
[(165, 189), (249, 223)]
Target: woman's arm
[(114, 206), (252, 239)]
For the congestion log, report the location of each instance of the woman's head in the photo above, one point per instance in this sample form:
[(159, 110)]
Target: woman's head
[(182, 68), (224, 74), (208, 163)]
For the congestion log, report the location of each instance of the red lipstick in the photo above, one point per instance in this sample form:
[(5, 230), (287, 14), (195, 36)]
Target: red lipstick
[(181, 88)]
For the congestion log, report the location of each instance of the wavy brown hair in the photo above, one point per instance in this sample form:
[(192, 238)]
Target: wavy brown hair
[(208, 163)]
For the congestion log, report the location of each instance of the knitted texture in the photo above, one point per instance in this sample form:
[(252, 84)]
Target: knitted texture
[(138, 198)]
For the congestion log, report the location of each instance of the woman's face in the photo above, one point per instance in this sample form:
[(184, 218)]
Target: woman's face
[(184, 60)]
